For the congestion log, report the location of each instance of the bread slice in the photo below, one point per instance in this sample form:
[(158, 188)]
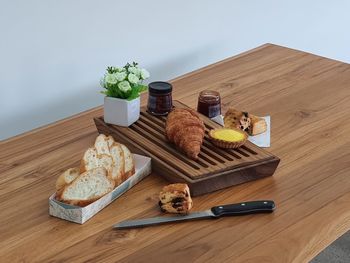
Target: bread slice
[(101, 144), (117, 154), (92, 160), (89, 161), (66, 177), (129, 163), (110, 141), (105, 161), (87, 187), (119, 162), (129, 168)]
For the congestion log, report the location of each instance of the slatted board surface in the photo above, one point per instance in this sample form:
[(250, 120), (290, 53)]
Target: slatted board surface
[(149, 133)]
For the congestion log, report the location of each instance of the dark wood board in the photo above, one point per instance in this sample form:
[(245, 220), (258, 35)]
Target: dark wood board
[(215, 168)]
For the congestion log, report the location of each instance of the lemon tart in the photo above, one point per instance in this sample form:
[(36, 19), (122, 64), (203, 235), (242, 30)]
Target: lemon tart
[(228, 138)]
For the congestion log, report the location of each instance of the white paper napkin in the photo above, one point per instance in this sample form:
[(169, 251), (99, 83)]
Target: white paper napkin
[(261, 140)]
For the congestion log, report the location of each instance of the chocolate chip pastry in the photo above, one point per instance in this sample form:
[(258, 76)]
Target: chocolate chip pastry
[(245, 121), (175, 198)]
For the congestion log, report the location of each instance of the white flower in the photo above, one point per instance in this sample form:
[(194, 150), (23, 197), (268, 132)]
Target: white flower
[(133, 78), (124, 86), (120, 76), (144, 74), (111, 79), (118, 69), (135, 70)]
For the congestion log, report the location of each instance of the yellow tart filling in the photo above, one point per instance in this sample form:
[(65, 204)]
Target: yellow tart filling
[(228, 135)]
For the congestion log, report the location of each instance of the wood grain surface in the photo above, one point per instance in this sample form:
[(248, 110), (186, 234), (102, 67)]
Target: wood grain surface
[(308, 98)]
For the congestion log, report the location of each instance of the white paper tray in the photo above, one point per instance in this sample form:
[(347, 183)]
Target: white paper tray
[(81, 214)]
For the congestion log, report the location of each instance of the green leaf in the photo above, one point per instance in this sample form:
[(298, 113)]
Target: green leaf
[(136, 91), (140, 88), (134, 94)]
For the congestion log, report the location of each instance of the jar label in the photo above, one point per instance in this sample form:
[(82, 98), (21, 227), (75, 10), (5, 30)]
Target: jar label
[(214, 110)]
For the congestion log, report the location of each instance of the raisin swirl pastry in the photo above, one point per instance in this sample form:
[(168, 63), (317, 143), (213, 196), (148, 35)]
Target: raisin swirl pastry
[(245, 121), (175, 198)]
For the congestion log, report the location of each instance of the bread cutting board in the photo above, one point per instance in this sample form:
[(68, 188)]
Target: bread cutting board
[(215, 168)]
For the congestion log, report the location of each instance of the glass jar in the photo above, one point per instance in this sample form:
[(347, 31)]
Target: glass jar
[(209, 103), (159, 98)]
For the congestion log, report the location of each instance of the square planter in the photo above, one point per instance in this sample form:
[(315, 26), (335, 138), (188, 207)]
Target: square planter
[(121, 112)]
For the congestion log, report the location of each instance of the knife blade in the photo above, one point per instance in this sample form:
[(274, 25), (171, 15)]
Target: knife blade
[(243, 208)]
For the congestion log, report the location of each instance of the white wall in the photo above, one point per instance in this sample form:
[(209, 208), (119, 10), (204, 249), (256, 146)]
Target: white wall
[(53, 53)]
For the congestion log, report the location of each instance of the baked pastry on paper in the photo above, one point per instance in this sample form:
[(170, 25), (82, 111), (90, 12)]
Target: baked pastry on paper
[(251, 124)]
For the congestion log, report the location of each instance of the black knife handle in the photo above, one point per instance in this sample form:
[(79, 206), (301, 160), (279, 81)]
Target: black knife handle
[(244, 208)]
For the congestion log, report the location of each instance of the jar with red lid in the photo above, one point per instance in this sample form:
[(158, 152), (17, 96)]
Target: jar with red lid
[(159, 98)]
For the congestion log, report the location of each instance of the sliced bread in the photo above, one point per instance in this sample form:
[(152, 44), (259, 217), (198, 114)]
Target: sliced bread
[(101, 144), (66, 177), (129, 163), (87, 187), (129, 168), (105, 161), (117, 154), (92, 160), (110, 141), (119, 161)]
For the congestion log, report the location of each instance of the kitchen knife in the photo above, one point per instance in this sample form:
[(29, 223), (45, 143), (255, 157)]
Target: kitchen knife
[(244, 208)]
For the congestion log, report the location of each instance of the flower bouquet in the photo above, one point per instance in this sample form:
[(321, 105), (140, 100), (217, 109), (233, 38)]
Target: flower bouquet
[(123, 87)]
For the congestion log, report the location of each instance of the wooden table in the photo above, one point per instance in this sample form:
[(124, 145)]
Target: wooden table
[(308, 98)]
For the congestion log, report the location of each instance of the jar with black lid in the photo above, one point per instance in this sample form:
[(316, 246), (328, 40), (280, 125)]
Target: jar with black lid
[(159, 98)]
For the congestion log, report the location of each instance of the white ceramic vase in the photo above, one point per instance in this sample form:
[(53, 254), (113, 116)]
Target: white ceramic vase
[(121, 112)]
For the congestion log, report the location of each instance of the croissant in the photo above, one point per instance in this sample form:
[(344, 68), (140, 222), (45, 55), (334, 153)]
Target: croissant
[(186, 130)]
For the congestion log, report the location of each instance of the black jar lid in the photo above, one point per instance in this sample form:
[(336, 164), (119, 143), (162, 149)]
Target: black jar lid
[(160, 87)]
